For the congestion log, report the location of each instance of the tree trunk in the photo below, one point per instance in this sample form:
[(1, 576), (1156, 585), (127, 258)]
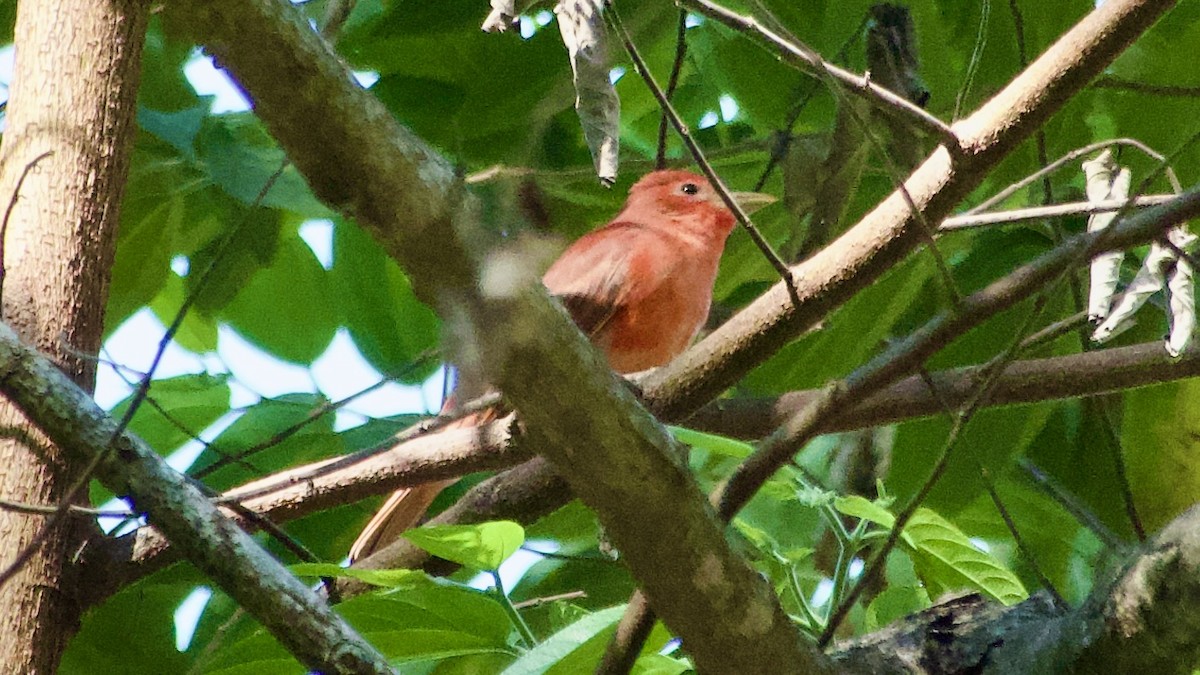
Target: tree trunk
[(63, 164)]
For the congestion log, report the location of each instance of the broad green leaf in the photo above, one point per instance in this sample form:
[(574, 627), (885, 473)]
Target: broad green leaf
[(566, 649), (425, 623), (657, 664), (178, 129), (180, 408), (389, 325), (893, 603), (990, 440), (183, 407), (288, 308), (241, 158), (946, 559), (142, 263), (259, 429), (103, 643), (198, 332), (1157, 440), (483, 546)]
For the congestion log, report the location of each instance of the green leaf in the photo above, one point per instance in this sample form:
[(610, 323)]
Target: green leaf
[(241, 158), (720, 445), (398, 578), (288, 308), (657, 664), (482, 547), (192, 402), (946, 559), (258, 428), (427, 622), (178, 129), (1160, 422), (103, 643), (865, 509), (894, 602), (562, 651), (389, 325), (198, 332)]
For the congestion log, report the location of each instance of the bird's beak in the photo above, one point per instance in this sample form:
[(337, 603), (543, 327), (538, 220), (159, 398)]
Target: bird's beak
[(752, 201)]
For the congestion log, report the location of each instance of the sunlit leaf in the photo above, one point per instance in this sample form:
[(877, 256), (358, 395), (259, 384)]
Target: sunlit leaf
[(483, 546), (946, 560)]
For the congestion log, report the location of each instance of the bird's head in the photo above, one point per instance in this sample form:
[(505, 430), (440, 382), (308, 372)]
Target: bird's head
[(683, 196)]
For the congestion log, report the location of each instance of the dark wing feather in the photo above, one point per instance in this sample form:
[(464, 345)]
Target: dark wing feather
[(590, 314), (590, 276)]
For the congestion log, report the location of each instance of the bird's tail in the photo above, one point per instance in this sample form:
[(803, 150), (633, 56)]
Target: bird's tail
[(405, 508)]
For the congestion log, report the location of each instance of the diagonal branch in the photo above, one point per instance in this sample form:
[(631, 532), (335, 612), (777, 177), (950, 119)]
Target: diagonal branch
[(302, 490), (890, 232), (287, 608), (580, 416)]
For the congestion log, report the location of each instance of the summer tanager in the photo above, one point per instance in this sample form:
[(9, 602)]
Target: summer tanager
[(640, 287)]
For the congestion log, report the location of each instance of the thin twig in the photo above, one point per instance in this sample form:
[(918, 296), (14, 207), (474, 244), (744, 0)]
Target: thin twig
[(1027, 552), (660, 159), (1118, 457), (783, 137), (991, 374), (287, 432), (85, 476), (798, 54), (419, 429), (985, 11), (775, 450), (974, 219), (545, 600), (1071, 156), (719, 185), (1073, 505), (1112, 82), (73, 509)]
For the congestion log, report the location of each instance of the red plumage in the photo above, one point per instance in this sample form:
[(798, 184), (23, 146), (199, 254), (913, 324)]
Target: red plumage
[(640, 287)]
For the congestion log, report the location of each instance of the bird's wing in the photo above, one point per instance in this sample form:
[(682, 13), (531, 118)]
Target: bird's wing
[(592, 277)]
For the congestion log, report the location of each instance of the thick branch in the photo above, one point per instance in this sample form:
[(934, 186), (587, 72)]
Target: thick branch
[(307, 489), (890, 232), (286, 496), (1028, 381), (300, 620), (613, 453), (1145, 621)]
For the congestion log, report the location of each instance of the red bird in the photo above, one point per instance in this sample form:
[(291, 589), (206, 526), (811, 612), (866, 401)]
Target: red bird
[(640, 287)]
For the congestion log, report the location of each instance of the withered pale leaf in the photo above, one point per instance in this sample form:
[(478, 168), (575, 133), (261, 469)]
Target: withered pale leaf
[(1105, 180), (596, 100)]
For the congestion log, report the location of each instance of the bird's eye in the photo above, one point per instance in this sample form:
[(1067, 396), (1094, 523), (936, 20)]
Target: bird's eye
[(689, 188)]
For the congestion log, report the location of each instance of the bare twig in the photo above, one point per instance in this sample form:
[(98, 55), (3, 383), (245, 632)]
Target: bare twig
[(1020, 541), (776, 449), (1136, 86), (1072, 505), (1070, 157), (974, 219), (798, 54), (698, 154), (990, 375), (660, 159)]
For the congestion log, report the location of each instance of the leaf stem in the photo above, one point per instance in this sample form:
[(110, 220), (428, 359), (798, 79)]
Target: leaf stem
[(514, 615)]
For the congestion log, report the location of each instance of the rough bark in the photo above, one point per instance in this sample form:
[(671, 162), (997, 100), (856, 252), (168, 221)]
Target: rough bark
[(64, 161), (405, 196), (301, 622)]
